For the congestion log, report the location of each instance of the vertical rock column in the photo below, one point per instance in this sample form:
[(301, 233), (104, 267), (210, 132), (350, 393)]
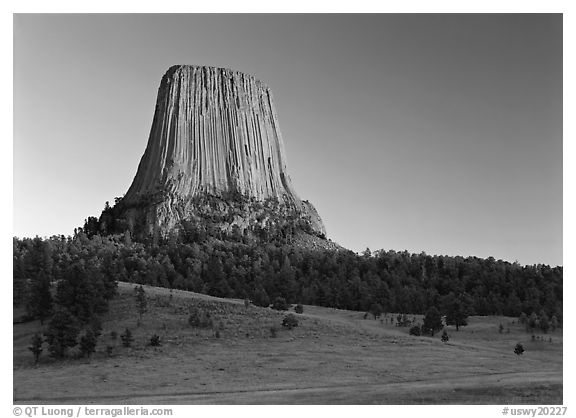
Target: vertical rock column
[(215, 131)]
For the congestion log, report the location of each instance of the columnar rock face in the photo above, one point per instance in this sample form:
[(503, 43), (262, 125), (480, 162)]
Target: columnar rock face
[(215, 133)]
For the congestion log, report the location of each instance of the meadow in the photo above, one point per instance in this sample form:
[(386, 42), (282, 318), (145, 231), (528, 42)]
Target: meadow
[(332, 357)]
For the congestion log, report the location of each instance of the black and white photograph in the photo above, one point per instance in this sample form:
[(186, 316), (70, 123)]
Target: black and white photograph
[(287, 209)]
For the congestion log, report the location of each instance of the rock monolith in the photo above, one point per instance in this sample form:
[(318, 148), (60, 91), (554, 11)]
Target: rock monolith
[(215, 134)]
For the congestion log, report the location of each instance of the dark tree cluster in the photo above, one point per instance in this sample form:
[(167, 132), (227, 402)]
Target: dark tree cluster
[(74, 277), (67, 282)]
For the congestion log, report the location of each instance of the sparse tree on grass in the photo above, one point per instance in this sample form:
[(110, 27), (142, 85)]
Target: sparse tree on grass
[(519, 349), (40, 298), (544, 322), (376, 310), (523, 319), (533, 321), (36, 347), (457, 309), (109, 350), (88, 343), (553, 322), (432, 321), (127, 338), (141, 300), (62, 333)]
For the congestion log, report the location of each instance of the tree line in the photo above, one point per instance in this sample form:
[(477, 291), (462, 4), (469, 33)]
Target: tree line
[(82, 271)]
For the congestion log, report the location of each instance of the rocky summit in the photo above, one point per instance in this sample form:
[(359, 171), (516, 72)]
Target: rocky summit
[(215, 152)]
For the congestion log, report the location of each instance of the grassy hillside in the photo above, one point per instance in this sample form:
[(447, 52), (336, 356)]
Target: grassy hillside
[(333, 356)]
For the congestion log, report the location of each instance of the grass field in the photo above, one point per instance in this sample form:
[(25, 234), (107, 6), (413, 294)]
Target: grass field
[(332, 357)]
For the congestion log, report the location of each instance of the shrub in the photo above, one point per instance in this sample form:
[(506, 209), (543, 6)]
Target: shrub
[(280, 304), (127, 338), (290, 321), (519, 349), (415, 330), (299, 309), (113, 335), (155, 340), (444, 337)]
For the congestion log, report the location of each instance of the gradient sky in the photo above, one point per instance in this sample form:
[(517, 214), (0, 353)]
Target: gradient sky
[(435, 133)]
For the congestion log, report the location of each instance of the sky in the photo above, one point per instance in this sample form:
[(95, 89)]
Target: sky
[(435, 133)]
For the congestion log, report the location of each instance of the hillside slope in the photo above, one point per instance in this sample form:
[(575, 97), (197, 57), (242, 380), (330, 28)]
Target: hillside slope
[(333, 356)]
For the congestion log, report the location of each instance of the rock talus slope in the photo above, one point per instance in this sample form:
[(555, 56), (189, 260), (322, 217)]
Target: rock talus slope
[(215, 132)]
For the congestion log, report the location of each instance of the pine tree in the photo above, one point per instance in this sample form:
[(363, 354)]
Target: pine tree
[(36, 347), (127, 338), (62, 333), (88, 343), (523, 319), (261, 298), (544, 322), (141, 300), (376, 310), (553, 322), (40, 298), (456, 309), (432, 321), (533, 321)]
